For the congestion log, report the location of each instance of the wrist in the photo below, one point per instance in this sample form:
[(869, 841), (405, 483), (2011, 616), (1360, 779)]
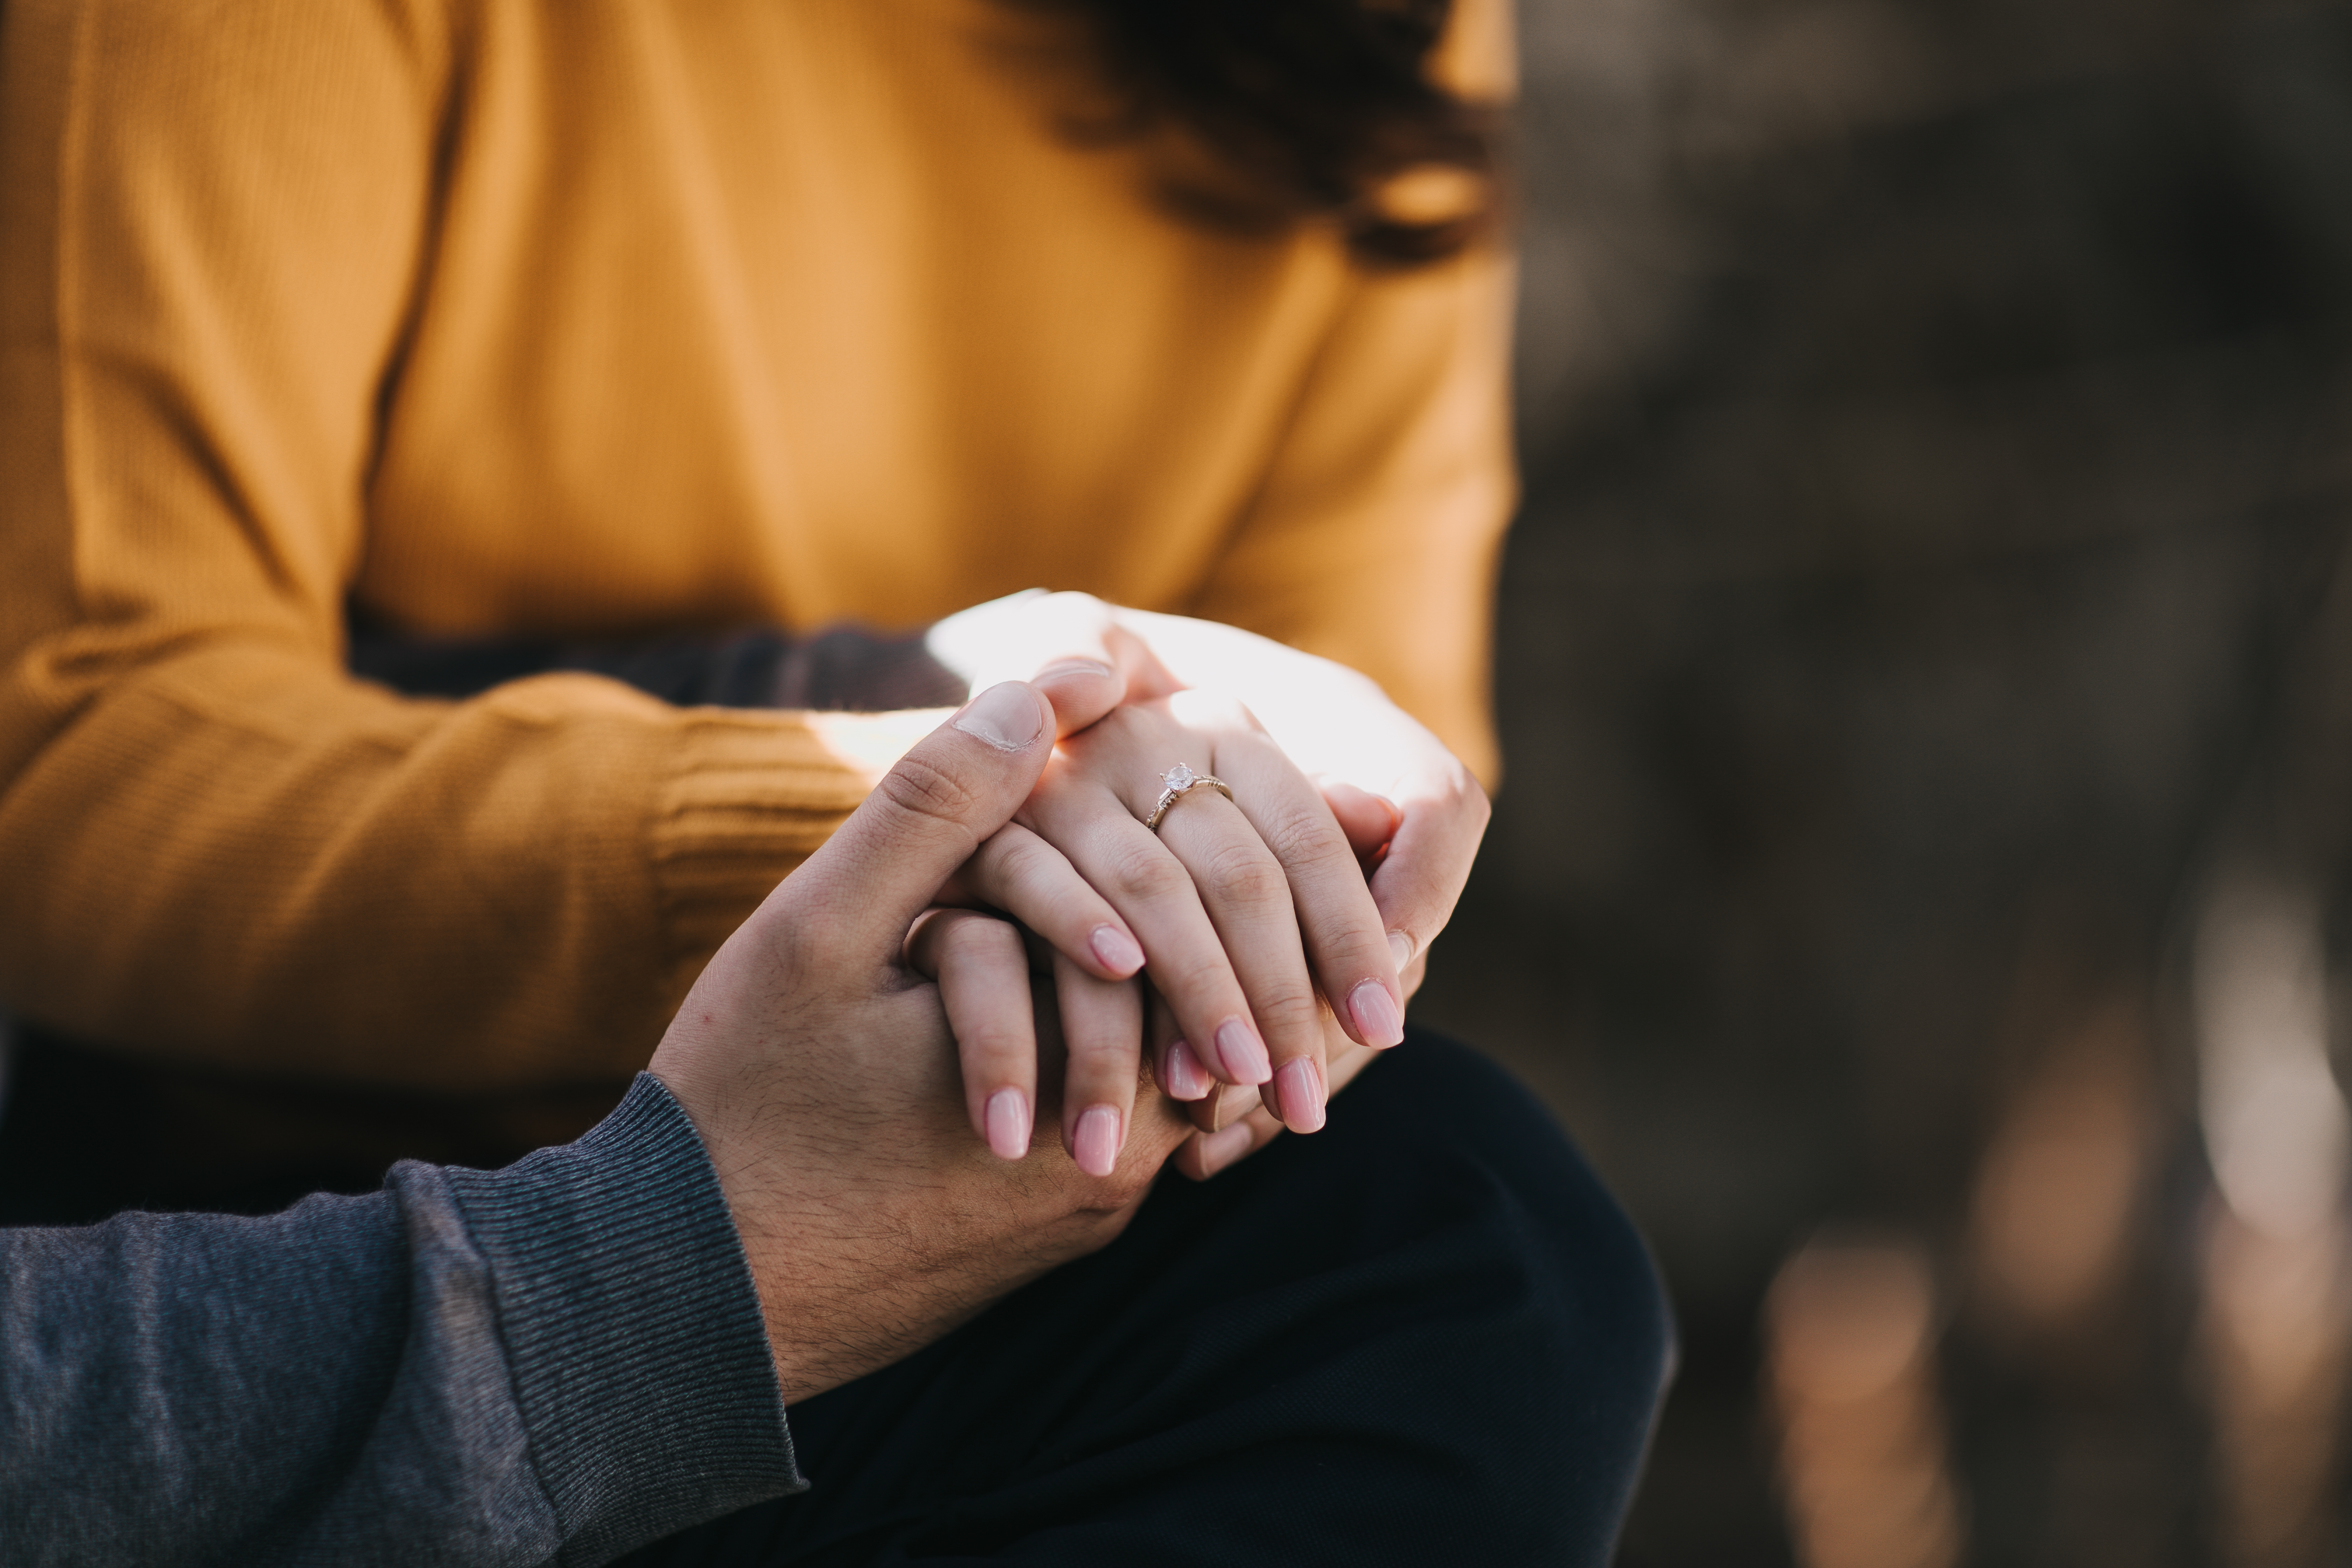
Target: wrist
[(769, 1255), (634, 1341)]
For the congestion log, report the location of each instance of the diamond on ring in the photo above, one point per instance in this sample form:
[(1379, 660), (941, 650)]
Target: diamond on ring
[(1181, 781)]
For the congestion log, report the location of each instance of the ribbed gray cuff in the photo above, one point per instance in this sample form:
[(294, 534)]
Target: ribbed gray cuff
[(639, 1355)]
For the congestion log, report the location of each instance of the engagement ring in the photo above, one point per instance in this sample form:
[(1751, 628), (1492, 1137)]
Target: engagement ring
[(1182, 780)]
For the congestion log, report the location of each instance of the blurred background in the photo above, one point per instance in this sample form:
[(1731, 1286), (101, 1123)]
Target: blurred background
[(1925, 668)]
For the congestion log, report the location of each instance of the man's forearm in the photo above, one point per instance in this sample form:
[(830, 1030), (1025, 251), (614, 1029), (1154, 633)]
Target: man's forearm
[(468, 1366)]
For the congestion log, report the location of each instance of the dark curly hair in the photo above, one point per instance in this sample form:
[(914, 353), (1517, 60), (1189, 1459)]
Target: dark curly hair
[(1309, 109)]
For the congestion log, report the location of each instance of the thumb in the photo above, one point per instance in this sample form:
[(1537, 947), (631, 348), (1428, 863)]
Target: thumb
[(958, 785)]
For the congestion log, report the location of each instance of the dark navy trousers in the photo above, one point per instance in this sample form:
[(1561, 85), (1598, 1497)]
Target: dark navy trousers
[(1425, 1335)]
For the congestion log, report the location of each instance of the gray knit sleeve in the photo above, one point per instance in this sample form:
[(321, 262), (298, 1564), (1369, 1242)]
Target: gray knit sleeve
[(551, 1363)]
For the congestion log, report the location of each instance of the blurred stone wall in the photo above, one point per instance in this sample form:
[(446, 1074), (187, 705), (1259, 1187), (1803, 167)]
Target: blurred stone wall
[(1935, 422)]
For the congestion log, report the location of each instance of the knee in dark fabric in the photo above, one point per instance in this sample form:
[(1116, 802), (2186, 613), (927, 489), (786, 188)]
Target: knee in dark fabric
[(1424, 1335)]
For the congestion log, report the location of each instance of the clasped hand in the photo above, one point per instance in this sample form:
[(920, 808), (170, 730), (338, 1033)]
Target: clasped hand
[(818, 1066), (1272, 966)]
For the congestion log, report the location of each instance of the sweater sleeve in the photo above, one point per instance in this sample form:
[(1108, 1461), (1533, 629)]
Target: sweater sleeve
[(1374, 538), (555, 1362), (215, 843)]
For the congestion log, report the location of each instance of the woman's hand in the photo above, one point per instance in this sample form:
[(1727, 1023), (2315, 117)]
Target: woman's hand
[(1250, 909), (1017, 1014), (1380, 768), (1237, 1137), (1011, 1031), (1244, 912), (1389, 783), (1409, 812)]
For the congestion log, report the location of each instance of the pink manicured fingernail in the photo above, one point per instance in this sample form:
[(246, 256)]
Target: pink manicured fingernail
[(1185, 1078), (1400, 949), (1298, 1095), (1008, 1123), (1242, 1053), (1116, 950), (1005, 716), (1375, 1012), (1096, 1145), (1219, 1149)]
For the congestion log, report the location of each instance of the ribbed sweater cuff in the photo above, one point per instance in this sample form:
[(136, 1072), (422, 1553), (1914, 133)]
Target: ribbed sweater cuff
[(747, 798), (633, 1330)]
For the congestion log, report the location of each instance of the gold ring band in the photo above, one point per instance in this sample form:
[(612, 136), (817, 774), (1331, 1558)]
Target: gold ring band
[(1181, 781)]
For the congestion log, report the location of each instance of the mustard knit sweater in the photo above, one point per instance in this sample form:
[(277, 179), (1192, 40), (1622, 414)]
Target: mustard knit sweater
[(591, 317)]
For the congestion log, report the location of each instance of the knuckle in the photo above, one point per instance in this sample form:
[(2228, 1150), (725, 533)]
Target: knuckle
[(1148, 874), (1204, 979), (1033, 869), (982, 940), (918, 788), (1104, 1060), (995, 1037), (1011, 857), (1297, 834), (1288, 1013), (995, 1044), (1245, 875)]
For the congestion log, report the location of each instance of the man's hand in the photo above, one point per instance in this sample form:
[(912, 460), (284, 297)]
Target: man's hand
[(820, 1072)]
